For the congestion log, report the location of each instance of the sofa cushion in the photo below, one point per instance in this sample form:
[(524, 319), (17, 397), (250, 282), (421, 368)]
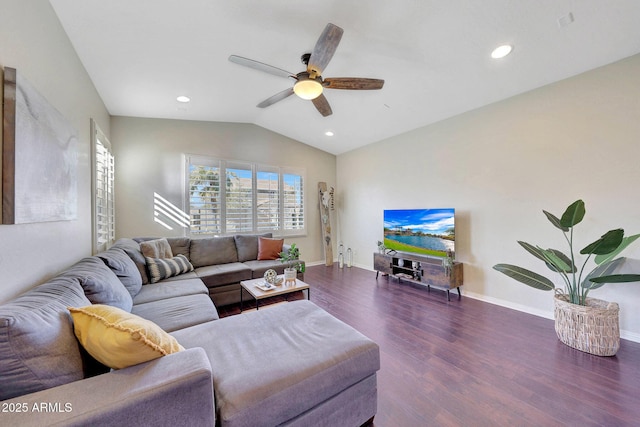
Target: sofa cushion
[(180, 245), (258, 268), (178, 312), (297, 370), (213, 250), (38, 349), (123, 267), (119, 339), (247, 246), (186, 276), (100, 284), (157, 248), (132, 248), (170, 289), (223, 274), (162, 268), (269, 249)]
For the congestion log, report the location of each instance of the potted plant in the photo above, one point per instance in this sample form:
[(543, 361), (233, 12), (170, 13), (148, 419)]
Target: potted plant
[(587, 324), (294, 265)]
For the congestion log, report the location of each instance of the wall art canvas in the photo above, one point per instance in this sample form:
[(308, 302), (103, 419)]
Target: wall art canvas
[(39, 157)]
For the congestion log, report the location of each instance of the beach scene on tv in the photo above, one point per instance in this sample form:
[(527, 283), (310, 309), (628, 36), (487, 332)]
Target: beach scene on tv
[(423, 231)]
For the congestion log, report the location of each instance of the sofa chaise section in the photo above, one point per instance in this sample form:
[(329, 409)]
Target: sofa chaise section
[(293, 364)]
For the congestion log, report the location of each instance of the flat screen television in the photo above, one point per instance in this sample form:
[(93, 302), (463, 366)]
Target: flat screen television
[(422, 231)]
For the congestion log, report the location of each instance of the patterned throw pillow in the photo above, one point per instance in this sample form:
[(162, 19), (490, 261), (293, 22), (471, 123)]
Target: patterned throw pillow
[(162, 268), (157, 248)]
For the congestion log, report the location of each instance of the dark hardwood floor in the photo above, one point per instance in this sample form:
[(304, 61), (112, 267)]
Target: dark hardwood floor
[(470, 363)]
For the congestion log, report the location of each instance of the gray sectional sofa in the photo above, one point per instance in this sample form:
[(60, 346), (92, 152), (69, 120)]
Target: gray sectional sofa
[(292, 364), (220, 262)]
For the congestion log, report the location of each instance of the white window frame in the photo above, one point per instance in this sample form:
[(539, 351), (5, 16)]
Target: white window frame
[(223, 165), (102, 184)]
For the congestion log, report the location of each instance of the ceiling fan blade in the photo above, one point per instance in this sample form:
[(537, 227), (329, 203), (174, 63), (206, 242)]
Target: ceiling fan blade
[(353, 83), (275, 98), (322, 105), (324, 49), (260, 66)]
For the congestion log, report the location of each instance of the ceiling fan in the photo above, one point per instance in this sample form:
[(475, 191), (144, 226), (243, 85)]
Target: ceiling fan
[(309, 83)]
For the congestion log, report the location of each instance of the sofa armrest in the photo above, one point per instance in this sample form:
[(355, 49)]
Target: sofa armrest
[(169, 391)]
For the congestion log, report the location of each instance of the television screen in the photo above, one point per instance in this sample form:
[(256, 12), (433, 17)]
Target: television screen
[(422, 231)]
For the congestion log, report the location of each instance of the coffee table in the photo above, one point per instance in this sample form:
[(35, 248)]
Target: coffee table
[(284, 288)]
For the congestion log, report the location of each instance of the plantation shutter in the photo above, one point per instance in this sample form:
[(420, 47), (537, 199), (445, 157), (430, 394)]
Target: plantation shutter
[(205, 198), (267, 199), (239, 198), (293, 195), (103, 191), (226, 197)]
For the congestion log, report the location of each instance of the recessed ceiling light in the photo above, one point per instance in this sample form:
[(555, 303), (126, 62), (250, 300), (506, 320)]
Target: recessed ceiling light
[(501, 51), (183, 98), (328, 133)]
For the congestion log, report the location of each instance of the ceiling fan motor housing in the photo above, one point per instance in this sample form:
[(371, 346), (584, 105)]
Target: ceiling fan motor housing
[(309, 83)]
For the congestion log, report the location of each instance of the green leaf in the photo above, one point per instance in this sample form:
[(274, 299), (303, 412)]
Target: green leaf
[(602, 270), (539, 253), (555, 221), (525, 276), (605, 244), (617, 278), (573, 215), (600, 259), (533, 250), (561, 261)]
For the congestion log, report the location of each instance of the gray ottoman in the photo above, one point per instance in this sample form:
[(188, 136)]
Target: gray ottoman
[(293, 364)]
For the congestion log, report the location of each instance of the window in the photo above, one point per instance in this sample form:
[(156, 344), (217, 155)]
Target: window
[(104, 224), (239, 199), (250, 198)]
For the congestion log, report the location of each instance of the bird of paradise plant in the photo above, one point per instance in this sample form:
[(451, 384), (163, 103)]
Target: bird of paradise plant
[(577, 284)]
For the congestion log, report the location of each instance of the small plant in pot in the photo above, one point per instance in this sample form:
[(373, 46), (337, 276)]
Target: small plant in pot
[(294, 265), (587, 324)]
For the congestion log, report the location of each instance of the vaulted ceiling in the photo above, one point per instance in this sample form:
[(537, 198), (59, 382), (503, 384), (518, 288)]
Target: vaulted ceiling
[(434, 56)]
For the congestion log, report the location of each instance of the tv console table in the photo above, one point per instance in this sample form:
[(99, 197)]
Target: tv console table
[(419, 269)]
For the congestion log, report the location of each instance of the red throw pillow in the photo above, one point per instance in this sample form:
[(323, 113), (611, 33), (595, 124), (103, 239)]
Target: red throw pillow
[(269, 248)]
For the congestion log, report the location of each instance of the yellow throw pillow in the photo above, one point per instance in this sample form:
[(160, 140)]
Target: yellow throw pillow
[(119, 339)]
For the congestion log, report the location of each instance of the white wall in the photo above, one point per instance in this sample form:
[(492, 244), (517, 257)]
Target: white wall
[(149, 158), (33, 42), (499, 167)]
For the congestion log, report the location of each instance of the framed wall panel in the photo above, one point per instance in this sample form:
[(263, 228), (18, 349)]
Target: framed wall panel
[(39, 157)]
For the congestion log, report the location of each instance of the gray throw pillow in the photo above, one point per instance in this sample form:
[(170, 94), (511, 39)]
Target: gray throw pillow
[(132, 248), (123, 267), (100, 284)]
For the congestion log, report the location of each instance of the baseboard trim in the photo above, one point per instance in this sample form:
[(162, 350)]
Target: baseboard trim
[(631, 336)]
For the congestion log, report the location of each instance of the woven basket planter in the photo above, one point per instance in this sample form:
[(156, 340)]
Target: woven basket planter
[(593, 328)]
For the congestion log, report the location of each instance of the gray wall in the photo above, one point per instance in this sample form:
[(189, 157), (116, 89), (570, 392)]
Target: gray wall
[(33, 42), (499, 167), (149, 159)]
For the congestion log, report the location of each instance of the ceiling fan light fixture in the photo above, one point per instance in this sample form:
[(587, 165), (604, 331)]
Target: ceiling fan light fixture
[(307, 89)]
